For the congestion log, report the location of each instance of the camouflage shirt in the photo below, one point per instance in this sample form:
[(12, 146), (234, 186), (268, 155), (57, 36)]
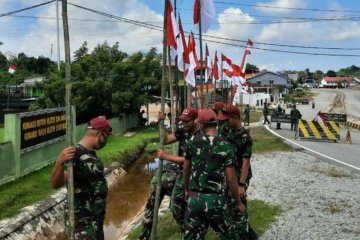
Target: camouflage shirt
[(242, 143), (90, 185), (223, 129), (209, 156)]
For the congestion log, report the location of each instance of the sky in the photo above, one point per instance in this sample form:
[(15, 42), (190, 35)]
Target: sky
[(311, 24)]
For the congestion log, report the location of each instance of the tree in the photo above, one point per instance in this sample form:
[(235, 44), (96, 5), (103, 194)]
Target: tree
[(105, 82), (250, 68), (331, 73)]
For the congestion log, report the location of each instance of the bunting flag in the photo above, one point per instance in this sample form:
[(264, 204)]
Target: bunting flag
[(181, 48), (12, 69), (247, 52), (208, 67), (215, 68), (193, 62), (207, 13), (172, 30)]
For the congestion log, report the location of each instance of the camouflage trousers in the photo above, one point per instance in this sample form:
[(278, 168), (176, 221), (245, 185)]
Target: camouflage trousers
[(178, 203), (86, 228), (167, 185), (241, 222), (204, 210)]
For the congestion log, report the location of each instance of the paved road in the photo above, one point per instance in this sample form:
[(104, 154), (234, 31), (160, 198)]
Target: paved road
[(340, 153)]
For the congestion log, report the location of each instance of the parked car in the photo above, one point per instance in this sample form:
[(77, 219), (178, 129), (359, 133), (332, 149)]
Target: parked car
[(304, 101)]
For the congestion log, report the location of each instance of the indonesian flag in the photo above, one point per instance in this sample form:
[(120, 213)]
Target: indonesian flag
[(238, 78), (181, 47), (193, 62), (247, 52), (12, 69), (226, 62), (215, 69), (321, 119), (207, 13), (172, 30), (208, 67)]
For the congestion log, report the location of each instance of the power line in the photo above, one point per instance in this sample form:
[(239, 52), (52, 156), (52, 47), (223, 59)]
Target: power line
[(25, 9), (159, 28), (288, 8)]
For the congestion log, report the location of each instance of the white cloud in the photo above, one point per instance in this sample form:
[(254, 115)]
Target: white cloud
[(280, 6), (98, 29), (229, 27)]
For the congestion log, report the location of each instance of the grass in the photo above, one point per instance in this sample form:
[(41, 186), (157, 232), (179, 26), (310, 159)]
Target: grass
[(36, 185), (262, 215), (1, 135), (265, 142)]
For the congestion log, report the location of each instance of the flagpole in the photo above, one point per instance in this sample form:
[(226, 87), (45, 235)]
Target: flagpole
[(222, 80), (58, 34), (161, 129), (201, 50), (69, 129)]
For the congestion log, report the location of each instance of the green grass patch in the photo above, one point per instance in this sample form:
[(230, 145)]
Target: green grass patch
[(263, 141), (2, 135), (36, 185), (262, 215)]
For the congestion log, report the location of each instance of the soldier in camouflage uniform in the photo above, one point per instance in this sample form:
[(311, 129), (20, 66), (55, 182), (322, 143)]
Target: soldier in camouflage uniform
[(168, 178), (173, 184), (222, 127), (183, 134), (90, 185), (209, 160), (241, 140)]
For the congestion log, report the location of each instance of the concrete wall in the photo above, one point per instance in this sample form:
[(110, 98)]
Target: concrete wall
[(15, 164)]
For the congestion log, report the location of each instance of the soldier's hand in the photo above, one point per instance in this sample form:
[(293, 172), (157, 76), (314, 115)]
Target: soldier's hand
[(161, 116), (242, 208), (161, 153), (241, 191), (66, 155)]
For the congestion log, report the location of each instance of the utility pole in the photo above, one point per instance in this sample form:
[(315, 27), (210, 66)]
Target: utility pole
[(161, 129), (69, 130)]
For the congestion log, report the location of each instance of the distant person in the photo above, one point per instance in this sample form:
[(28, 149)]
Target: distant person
[(295, 116), (266, 113), (279, 111), (247, 115), (313, 104), (90, 185), (143, 119)]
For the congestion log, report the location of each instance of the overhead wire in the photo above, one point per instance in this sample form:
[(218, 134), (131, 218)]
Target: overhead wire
[(288, 8), (25, 9), (208, 38)]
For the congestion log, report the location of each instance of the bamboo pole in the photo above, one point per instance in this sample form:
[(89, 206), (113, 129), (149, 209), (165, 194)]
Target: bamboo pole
[(161, 129), (201, 53), (69, 129)]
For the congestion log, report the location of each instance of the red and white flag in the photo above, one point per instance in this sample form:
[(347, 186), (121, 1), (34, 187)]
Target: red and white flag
[(215, 69), (207, 13), (208, 67), (193, 62), (12, 69), (172, 30), (181, 47), (321, 119), (247, 52), (226, 62), (238, 78)]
